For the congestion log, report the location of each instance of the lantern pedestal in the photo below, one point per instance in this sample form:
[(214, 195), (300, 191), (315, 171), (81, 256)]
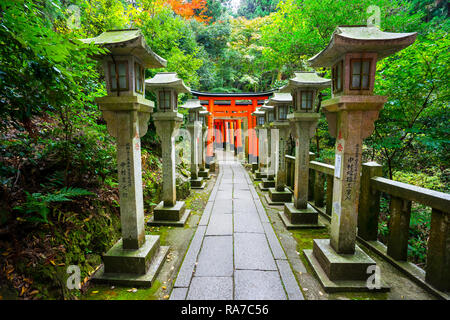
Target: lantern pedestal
[(176, 215), (342, 272), (269, 180), (278, 198), (203, 171), (136, 258), (351, 120), (194, 131), (169, 211), (280, 194), (134, 268), (300, 214)]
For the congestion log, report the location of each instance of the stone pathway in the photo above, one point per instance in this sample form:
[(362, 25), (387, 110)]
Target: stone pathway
[(235, 253)]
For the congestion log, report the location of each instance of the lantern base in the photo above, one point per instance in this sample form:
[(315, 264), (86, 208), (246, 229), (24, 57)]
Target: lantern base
[(204, 174), (197, 183), (132, 267), (343, 272), (174, 216), (268, 183), (279, 198), (294, 218)]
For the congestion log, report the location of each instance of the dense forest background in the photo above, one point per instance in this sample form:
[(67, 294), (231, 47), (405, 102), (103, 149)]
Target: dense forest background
[(58, 183)]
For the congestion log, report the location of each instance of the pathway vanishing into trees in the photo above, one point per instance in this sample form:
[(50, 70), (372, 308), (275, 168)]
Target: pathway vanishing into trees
[(235, 253)]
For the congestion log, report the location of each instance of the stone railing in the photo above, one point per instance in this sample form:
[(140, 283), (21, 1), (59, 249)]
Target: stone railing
[(436, 276)]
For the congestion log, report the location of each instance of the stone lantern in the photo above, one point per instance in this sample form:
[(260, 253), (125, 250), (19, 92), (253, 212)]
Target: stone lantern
[(167, 86), (268, 139), (260, 121), (135, 259), (304, 88), (281, 103), (352, 54), (203, 115), (194, 127)]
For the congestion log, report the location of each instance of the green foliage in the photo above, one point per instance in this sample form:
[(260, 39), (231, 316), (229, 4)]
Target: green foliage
[(252, 9), (37, 206)]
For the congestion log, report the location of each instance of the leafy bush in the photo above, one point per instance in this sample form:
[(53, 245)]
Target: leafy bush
[(37, 206)]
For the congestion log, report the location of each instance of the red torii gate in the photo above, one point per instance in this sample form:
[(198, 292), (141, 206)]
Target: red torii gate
[(230, 112)]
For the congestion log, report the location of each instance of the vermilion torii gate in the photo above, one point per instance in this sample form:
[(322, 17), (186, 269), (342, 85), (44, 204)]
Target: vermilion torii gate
[(231, 121)]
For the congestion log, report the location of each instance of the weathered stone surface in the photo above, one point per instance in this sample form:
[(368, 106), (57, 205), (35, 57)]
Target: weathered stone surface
[(258, 285), (211, 288), (244, 206), (178, 294), (280, 196), (252, 252), (220, 225), (369, 202), (341, 266), (247, 223), (289, 281), (118, 260), (222, 207), (242, 194), (275, 246), (166, 124), (173, 213), (308, 215), (187, 268), (216, 257)]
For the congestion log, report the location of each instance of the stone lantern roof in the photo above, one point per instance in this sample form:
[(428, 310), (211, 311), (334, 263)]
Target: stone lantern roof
[(356, 39), (192, 104), (265, 108), (280, 98), (167, 80), (306, 79), (258, 112), (128, 42)]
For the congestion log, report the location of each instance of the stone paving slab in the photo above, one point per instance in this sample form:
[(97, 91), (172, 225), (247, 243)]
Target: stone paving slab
[(220, 225), (252, 252), (275, 246), (235, 253), (289, 281), (258, 285), (242, 194), (187, 268), (247, 223), (178, 294), (211, 288), (222, 207), (246, 206), (216, 257)]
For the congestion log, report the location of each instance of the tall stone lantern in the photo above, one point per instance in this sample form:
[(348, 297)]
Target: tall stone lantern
[(281, 102), (136, 258), (203, 117), (257, 168), (304, 88), (269, 147), (352, 54), (195, 127), (167, 86)]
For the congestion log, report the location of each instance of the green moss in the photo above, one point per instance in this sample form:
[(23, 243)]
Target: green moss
[(105, 292)]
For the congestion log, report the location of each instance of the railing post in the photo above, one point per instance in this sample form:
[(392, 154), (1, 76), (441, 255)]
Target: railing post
[(312, 173), (400, 214), (438, 255), (319, 189), (329, 194), (369, 202)]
